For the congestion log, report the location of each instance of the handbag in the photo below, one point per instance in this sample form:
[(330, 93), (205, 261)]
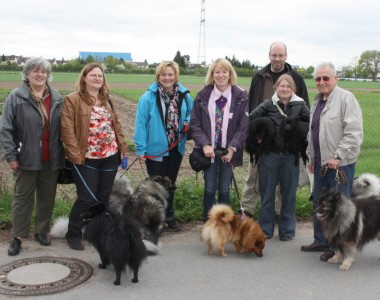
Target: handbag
[(198, 161), (65, 175)]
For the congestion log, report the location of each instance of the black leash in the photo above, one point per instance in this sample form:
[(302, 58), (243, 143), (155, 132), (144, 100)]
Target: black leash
[(235, 184)]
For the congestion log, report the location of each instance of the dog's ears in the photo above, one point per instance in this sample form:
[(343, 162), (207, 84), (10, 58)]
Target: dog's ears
[(165, 181), (259, 243), (336, 196)]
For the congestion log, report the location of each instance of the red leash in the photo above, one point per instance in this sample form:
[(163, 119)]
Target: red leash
[(184, 130)]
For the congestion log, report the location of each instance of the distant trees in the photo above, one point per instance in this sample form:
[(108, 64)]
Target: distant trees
[(245, 64), (182, 60), (369, 63), (308, 72)]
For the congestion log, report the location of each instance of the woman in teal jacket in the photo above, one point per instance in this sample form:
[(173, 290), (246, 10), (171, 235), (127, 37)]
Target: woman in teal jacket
[(162, 118)]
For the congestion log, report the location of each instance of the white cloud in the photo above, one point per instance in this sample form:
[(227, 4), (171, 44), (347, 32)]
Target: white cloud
[(313, 31)]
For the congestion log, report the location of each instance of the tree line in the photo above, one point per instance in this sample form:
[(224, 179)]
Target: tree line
[(368, 66)]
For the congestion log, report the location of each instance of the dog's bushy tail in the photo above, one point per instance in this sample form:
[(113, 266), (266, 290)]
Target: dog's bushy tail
[(59, 228), (221, 213)]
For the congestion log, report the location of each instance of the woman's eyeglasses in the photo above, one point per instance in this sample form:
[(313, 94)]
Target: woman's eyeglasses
[(324, 78)]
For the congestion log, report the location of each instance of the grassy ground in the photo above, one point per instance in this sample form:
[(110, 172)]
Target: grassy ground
[(186, 79), (188, 203)]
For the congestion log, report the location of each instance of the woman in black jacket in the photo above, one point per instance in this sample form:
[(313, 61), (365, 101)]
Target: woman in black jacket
[(279, 165)]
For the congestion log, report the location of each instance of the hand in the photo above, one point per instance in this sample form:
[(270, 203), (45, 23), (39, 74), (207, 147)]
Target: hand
[(141, 158), (228, 156), (208, 151), (185, 127), (311, 168), (13, 165), (333, 163)]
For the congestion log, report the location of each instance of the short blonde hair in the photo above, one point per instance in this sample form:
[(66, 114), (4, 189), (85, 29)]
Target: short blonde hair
[(161, 68), (224, 64), (289, 79)]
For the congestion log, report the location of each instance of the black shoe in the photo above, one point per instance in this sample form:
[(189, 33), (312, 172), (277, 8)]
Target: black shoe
[(42, 239), (75, 244), (14, 247), (314, 248), (285, 238), (327, 255), (172, 226), (246, 214)]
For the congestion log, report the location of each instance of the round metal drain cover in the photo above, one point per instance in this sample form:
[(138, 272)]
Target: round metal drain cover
[(42, 275)]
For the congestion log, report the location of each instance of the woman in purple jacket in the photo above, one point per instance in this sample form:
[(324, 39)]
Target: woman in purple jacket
[(220, 121)]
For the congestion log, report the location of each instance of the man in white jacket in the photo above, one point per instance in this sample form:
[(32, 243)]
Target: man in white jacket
[(335, 136)]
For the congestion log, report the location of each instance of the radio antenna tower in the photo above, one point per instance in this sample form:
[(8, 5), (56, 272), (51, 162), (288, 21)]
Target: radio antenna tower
[(202, 37)]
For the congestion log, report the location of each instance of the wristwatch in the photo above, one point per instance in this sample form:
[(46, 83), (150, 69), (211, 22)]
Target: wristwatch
[(336, 156)]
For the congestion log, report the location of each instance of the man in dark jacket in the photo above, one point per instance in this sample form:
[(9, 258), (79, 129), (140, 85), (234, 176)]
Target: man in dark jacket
[(262, 88)]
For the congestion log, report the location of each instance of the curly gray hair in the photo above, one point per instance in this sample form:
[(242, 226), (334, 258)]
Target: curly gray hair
[(36, 63)]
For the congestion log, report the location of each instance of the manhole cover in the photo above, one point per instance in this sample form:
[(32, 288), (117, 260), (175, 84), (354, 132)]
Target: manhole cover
[(42, 275)]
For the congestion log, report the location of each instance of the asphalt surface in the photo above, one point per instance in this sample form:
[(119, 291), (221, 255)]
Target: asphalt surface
[(184, 270)]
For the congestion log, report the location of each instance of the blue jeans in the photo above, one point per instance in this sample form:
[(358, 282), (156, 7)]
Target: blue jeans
[(217, 177), (277, 168), (328, 182)]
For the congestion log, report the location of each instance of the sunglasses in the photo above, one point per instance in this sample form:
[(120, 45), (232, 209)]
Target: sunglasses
[(324, 78)]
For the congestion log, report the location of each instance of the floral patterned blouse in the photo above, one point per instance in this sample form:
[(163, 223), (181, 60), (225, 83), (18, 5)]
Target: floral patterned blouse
[(101, 139)]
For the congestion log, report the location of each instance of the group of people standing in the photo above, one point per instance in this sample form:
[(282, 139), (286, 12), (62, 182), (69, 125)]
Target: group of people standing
[(39, 130)]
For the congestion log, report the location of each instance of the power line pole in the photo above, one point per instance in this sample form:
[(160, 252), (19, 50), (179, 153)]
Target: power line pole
[(202, 37)]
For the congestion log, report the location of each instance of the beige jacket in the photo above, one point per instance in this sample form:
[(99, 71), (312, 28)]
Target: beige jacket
[(341, 127), (75, 123)]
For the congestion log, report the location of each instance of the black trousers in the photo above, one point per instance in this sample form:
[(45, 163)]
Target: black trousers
[(169, 166), (98, 175)]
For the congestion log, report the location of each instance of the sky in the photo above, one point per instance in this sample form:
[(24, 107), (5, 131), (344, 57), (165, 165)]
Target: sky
[(313, 31)]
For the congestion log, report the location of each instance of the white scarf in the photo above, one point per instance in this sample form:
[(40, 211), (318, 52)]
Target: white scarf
[(215, 95)]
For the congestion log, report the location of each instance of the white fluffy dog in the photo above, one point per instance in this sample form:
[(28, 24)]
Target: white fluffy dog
[(365, 186)]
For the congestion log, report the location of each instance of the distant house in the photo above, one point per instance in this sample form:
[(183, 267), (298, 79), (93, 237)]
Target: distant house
[(101, 56), (141, 65)]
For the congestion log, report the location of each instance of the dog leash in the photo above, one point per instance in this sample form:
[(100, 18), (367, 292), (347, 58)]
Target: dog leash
[(85, 184), (340, 176), (184, 130)]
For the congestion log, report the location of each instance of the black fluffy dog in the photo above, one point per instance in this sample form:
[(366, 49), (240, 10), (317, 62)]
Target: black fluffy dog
[(261, 137), (116, 234), (294, 133)]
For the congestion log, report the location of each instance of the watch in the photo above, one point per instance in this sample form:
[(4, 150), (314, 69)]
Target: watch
[(336, 156)]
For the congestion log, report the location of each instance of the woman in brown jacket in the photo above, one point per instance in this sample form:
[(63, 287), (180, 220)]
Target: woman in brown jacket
[(94, 143)]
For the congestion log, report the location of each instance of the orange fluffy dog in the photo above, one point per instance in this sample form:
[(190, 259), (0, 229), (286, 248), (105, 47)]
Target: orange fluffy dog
[(224, 226)]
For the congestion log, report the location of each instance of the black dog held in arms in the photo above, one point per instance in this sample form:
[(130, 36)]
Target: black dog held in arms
[(294, 134), (348, 224), (115, 233), (261, 137)]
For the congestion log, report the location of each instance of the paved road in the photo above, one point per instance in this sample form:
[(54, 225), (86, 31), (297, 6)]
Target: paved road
[(184, 271)]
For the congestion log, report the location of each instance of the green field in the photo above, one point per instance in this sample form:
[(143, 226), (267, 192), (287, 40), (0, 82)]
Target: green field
[(186, 79)]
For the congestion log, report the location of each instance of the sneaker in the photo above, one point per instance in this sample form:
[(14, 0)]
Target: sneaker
[(172, 226), (14, 247), (285, 238), (75, 244)]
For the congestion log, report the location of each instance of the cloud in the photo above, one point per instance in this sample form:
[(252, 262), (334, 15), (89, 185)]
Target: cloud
[(313, 31)]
